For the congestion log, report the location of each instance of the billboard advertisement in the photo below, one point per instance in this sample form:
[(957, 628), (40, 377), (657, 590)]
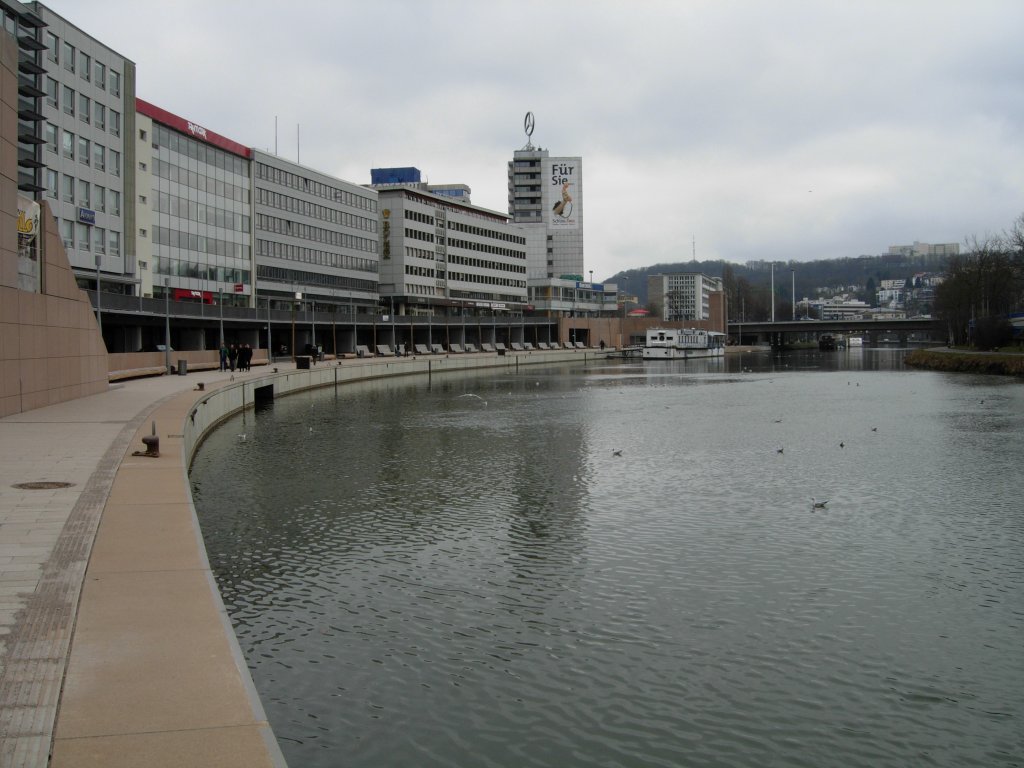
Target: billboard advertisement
[(563, 180), (28, 245)]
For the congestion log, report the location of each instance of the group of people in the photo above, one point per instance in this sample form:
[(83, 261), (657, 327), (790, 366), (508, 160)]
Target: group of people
[(236, 356)]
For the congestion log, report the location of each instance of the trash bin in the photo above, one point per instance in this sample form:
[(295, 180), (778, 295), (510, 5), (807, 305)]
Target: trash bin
[(501, 352), (302, 362), (182, 367)]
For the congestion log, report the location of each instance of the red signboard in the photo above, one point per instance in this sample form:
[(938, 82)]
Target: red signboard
[(191, 129), (185, 294), (239, 288)]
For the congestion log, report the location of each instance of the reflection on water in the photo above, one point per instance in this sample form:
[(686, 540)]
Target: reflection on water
[(421, 577)]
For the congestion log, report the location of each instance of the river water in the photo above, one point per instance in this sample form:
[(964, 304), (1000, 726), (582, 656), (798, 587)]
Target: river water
[(465, 573)]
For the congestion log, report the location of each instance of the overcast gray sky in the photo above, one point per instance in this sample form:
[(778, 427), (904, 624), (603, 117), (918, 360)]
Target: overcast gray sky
[(759, 129)]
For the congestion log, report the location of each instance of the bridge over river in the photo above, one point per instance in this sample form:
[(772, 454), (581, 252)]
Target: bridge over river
[(782, 332)]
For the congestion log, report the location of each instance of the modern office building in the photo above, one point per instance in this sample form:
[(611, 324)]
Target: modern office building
[(443, 257), (88, 153), (315, 236), (194, 214), (925, 249), (683, 296)]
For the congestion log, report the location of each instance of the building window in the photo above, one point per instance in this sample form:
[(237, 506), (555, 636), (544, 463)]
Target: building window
[(142, 199), (99, 239), (101, 76), (82, 237), (69, 56), (115, 83), (115, 163), (68, 143), (142, 134), (50, 136), (85, 66), (115, 123), (115, 243), (69, 101), (51, 183), (99, 115), (52, 89), (83, 150), (99, 157), (101, 199), (84, 108), (142, 166), (83, 193), (67, 233), (115, 202), (52, 45), (142, 232)]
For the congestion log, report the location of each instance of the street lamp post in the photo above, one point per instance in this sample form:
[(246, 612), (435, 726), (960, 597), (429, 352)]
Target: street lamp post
[(167, 324), (793, 275), (99, 301)]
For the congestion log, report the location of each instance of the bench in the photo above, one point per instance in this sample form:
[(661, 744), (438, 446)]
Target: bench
[(487, 347), (421, 349)]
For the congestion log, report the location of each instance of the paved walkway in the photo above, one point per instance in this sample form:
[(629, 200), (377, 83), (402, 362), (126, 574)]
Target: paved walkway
[(73, 456)]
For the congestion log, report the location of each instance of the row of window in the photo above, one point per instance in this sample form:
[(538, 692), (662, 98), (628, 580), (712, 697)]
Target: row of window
[(89, 111), (90, 153), (90, 70), (416, 234), (495, 234), (321, 212), (96, 240), (486, 280), (199, 151), (313, 256), (315, 234), (471, 245), (199, 243), (204, 214), (83, 194), (423, 218), (295, 277), (165, 265), (317, 189), (496, 266), (202, 182)]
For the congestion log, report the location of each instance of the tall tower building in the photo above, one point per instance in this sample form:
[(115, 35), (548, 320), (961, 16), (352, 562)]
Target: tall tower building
[(545, 196)]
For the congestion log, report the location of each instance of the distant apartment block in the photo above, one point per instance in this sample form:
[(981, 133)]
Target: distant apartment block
[(683, 296), (925, 249)]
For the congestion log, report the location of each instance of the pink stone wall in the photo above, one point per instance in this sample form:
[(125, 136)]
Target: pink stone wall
[(50, 345)]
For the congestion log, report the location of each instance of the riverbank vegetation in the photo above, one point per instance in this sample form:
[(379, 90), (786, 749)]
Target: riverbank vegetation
[(962, 361), (983, 287)]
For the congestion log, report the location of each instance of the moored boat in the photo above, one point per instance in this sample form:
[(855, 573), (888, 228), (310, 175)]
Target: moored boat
[(682, 343)]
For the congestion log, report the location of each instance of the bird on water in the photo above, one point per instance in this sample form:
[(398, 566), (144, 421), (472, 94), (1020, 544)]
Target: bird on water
[(818, 504)]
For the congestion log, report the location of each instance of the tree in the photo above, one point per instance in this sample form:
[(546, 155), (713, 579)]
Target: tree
[(982, 287)]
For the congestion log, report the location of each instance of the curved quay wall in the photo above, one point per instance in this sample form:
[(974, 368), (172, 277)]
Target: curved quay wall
[(200, 676)]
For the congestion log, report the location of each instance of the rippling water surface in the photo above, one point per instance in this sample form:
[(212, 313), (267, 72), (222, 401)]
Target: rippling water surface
[(463, 573)]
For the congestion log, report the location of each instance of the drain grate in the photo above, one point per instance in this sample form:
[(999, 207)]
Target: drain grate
[(42, 485)]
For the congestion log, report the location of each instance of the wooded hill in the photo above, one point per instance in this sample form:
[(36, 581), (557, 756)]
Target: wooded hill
[(750, 282)]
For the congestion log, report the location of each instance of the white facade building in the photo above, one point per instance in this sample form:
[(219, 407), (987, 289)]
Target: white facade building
[(442, 257), (683, 295), (88, 151), (315, 235)]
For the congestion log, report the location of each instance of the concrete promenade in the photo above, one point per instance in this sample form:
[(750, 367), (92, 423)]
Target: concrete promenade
[(115, 649)]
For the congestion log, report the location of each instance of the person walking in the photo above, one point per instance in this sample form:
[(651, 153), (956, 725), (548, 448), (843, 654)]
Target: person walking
[(232, 356), (223, 356), (247, 351)]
